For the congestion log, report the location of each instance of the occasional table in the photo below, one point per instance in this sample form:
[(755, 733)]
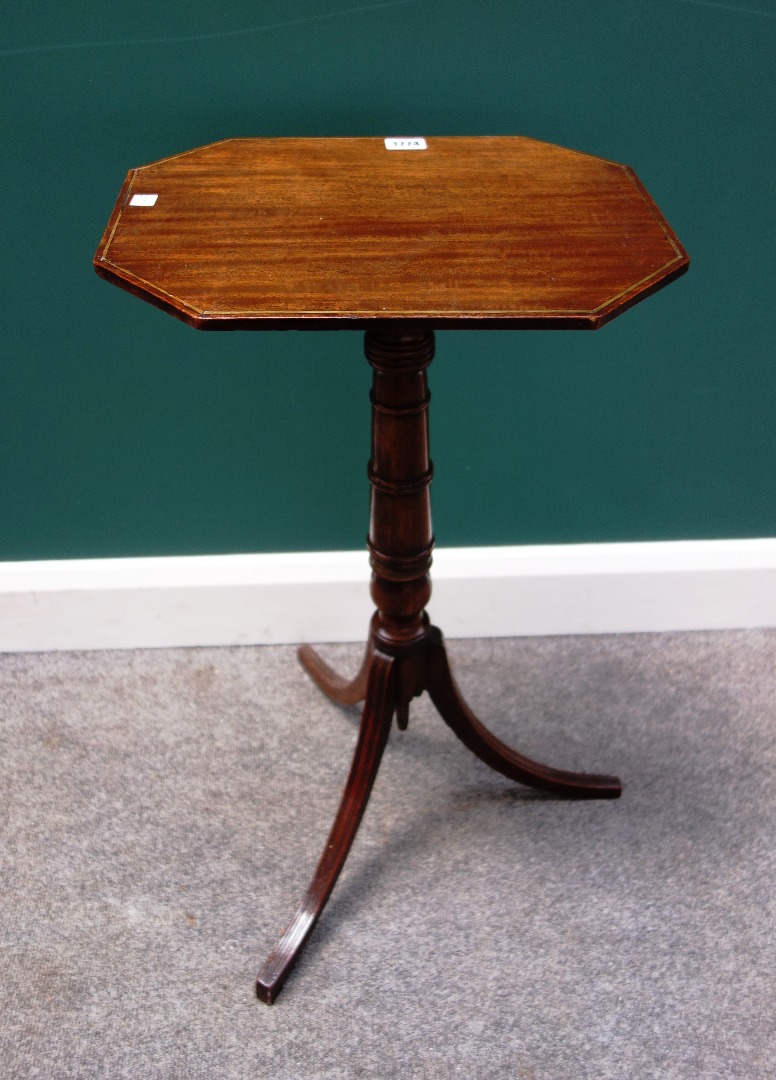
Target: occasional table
[(397, 237)]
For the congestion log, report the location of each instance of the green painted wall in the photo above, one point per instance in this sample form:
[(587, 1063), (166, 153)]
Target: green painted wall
[(124, 432)]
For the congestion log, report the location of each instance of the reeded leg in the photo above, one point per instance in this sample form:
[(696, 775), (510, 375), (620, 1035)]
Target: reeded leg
[(373, 735), (342, 691), (457, 714)]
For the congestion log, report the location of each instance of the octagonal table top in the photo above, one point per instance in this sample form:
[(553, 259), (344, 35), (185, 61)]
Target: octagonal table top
[(341, 233)]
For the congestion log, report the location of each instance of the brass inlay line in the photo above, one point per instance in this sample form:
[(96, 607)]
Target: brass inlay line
[(156, 289)]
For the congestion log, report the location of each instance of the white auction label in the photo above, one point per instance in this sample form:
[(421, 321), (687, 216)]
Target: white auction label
[(405, 144), (143, 200)]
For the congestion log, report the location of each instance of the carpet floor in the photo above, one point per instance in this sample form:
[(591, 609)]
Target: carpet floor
[(162, 811)]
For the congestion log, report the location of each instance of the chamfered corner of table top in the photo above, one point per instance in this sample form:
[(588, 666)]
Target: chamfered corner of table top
[(344, 233)]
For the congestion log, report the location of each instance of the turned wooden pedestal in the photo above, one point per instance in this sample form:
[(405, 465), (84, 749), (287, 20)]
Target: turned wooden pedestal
[(397, 238), (405, 655)]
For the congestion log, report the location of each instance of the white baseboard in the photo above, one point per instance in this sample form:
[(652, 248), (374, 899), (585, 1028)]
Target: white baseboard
[(324, 596)]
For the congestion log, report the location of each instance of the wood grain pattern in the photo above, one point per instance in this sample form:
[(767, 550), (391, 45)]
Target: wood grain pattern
[(342, 233)]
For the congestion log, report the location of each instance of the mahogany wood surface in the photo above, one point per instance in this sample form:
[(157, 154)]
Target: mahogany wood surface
[(487, 231), (342, 691), (405, 656), (373, 736), (344, 233)]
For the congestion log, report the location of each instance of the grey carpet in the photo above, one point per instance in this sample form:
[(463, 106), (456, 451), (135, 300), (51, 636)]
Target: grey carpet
[(162, 812)]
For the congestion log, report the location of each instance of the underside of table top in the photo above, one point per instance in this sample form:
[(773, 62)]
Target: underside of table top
[(481, 232)]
